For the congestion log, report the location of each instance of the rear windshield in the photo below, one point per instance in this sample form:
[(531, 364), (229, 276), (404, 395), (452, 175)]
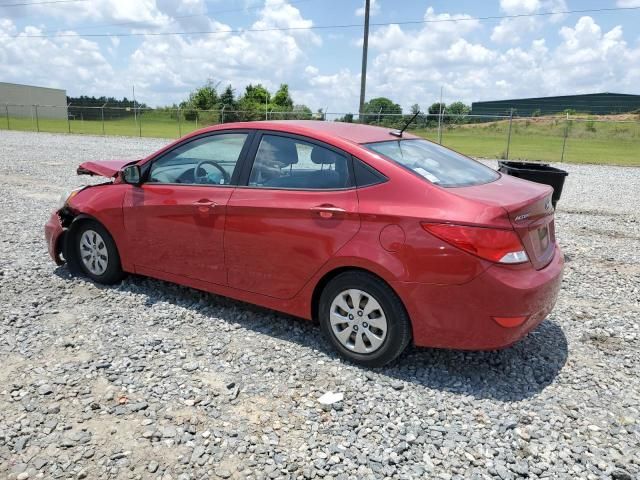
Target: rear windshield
[(435, 163)]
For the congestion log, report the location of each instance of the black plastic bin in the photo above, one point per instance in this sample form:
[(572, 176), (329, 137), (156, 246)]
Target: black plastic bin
[(537, 172)]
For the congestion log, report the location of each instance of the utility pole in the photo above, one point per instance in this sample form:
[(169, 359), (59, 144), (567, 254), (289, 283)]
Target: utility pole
[(365, 48)]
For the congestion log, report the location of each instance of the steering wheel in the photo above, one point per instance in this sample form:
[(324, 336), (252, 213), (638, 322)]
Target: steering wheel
[(203, 178)]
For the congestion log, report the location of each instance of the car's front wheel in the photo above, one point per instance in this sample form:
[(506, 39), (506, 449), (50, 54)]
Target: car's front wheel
[(96, 253), (364, 319)]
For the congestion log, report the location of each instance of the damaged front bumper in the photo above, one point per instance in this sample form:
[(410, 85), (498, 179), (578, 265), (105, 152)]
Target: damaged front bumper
[(54, 234)]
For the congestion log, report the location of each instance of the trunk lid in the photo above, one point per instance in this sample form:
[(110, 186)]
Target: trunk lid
[(528, 207), (104, 168)]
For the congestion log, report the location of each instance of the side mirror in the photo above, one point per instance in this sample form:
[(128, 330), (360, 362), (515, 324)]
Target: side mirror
[(131, 174)]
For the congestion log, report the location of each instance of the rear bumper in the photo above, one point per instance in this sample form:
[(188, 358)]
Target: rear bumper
[(53, 232), (461, 316)]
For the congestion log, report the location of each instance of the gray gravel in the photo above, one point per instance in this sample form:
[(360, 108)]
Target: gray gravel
[(151, 380)]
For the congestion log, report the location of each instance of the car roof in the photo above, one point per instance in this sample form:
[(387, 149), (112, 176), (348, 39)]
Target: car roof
[(353, 132)]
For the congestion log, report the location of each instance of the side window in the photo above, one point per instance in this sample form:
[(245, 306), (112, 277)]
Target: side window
[(366, 175), (283, 162), (207, 160)]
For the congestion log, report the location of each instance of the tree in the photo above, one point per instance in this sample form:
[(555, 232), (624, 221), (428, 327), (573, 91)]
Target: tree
[(228, 98), (436, 108), (228, 102), (415, 108), (282, 99), (348, 118), (379, 107), (257, 94), (301, 112), (254, 103), (458, 108), (204, 98)]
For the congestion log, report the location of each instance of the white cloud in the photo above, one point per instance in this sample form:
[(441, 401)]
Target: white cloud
[(514, 7), (337, 91), (53, 62), (513, 30), (628, 3), (510, 30), (406, 63), (143, 12), (163, 68), (586, 59), (177, 64), (374, 9)]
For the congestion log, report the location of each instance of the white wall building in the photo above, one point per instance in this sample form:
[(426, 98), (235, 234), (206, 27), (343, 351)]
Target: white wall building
[(21, 101)]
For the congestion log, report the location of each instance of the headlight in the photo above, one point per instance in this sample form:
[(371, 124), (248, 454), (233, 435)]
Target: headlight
[(66, 196)]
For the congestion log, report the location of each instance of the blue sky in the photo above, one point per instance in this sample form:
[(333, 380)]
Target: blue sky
[(471, 60)]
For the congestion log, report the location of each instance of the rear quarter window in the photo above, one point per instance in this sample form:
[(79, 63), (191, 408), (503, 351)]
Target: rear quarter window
[(435, 163)]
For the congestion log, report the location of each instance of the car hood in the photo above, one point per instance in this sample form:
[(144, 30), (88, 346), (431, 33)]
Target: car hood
[(104, 168)]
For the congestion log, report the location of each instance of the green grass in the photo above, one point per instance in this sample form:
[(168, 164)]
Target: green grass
[(149, 125), (538, 139), (542, 139)]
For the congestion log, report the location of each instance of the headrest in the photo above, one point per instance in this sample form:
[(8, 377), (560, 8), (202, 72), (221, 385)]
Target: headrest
[(279, 149), (323, 156)]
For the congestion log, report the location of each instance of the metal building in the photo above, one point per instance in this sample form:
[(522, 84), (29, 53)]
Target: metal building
[(27, 101), (593, 103)]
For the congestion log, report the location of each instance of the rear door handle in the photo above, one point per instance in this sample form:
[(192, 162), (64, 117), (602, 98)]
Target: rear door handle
[(327, 211)]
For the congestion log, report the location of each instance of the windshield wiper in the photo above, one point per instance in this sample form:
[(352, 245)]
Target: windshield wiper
[(398, 133)]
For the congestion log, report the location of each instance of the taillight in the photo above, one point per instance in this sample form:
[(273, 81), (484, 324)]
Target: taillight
[(501, 246)]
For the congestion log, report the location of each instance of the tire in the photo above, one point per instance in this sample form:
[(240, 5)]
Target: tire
[(95, 253), (364, 319)]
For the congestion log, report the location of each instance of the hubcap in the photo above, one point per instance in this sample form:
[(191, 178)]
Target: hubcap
[(358, 321), (93, 252)]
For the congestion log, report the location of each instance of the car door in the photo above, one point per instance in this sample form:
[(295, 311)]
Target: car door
[(175, 218), (297, 207)]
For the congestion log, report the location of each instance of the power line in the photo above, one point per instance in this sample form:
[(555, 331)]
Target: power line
[(325, 27), (39, 3)]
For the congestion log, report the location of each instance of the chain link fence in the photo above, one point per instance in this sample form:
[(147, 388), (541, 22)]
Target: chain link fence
[(560, 138)]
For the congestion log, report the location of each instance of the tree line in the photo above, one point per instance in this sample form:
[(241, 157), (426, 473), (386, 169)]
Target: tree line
[(206, 104), (86, 101), (88, 108), (255, 103)]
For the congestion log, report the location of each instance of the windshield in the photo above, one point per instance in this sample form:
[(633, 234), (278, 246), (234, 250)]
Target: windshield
[(437, 164)]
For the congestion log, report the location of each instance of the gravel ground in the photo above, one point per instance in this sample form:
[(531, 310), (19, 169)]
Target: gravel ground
[(151, 380)]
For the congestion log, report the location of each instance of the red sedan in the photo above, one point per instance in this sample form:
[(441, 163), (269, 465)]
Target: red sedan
[(382, 237)]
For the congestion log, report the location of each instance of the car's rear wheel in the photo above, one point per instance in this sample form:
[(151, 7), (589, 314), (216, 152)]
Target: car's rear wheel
[(364, 319), (96, 253)]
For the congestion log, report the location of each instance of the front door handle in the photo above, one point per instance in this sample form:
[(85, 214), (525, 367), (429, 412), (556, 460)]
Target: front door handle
[(205, 205), (327, 211)]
